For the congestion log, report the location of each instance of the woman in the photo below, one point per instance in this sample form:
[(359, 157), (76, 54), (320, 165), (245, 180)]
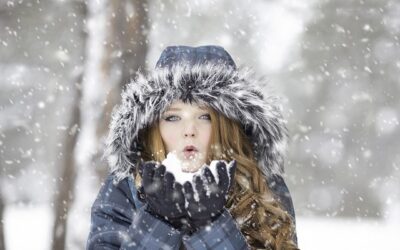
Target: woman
[(196, 96)]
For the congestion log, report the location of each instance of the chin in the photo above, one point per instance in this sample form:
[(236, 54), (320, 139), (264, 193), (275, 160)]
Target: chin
[(189, 170)]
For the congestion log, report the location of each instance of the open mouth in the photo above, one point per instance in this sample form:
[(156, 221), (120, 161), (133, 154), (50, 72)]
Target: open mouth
[(189, 151)]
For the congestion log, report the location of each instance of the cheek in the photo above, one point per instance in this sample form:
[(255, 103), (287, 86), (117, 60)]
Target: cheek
[(206, 135), (168, 135)]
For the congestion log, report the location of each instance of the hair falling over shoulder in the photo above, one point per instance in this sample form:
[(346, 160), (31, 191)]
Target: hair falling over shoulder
[(260, 217)]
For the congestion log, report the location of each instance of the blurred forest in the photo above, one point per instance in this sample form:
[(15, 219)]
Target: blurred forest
[(334, 64)]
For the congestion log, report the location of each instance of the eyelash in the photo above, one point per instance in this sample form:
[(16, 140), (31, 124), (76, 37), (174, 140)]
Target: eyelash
[(166, 118)]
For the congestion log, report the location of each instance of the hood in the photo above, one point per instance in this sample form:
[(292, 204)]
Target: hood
[(234, 92)]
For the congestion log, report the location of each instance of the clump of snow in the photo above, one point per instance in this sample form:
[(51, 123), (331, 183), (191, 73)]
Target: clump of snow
[(174, 165)]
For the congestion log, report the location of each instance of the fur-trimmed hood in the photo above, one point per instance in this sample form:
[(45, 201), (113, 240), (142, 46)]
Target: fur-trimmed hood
[(236, 93)]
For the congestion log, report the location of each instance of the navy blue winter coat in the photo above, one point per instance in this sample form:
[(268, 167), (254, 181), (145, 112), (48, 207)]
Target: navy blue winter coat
[(119, 221)]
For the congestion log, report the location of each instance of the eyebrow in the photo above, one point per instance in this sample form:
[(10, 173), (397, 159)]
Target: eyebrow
[(178, 109), (172, 109)]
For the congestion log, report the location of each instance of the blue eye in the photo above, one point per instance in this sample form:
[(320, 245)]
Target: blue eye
[(209, 117), (167, 118), (174, 116)]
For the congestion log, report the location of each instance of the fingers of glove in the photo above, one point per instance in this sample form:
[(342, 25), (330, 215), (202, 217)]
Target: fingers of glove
[(211, 183), (159, 173), (178, 188), (148, 173), (144, 165), (199, 185), (232, 171), (153, 180), (223, 176), (169, 180), (178, 196), (209, 176), (188, 192), (168, 184)]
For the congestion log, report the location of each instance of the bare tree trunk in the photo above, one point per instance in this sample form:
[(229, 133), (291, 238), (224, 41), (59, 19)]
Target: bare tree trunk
[(65, 191), (127, 38), (65, 195)]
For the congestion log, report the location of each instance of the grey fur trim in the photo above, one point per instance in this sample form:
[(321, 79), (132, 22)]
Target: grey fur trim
[(237, 94)]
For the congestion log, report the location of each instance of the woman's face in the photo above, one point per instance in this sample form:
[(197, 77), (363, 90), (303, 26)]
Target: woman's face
[(185, 125)]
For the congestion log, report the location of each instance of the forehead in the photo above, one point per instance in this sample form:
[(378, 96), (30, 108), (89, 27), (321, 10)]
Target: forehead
[(179, 105)]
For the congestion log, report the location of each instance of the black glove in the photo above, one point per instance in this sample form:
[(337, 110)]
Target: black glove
[(164, 196), (209, 206)]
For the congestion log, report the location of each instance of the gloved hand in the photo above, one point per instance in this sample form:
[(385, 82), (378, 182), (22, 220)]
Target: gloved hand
[(164, 196), (209, 205)]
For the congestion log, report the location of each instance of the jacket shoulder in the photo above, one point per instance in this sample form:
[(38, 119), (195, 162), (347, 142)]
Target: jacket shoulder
[(114, 196)]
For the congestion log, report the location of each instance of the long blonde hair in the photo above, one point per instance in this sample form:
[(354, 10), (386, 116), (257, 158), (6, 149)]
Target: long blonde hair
[(260, 217)]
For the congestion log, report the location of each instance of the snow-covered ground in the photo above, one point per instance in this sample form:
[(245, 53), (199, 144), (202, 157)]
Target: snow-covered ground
[(30, 228), (347, 234)]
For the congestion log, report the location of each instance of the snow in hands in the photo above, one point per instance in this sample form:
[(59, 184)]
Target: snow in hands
[(199, 195), (174, 165)]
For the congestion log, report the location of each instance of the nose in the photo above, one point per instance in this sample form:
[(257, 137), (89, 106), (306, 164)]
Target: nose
[(189, 134), (190, 130)]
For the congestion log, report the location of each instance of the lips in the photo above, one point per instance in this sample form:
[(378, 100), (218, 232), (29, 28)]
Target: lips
[(190, 151), (190, 148)]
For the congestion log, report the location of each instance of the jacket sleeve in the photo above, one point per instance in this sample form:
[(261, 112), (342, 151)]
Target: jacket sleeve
[(223, 233), (117, 223), (278, 186)]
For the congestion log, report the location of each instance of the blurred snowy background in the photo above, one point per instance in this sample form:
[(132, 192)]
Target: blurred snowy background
[(335, 64)]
